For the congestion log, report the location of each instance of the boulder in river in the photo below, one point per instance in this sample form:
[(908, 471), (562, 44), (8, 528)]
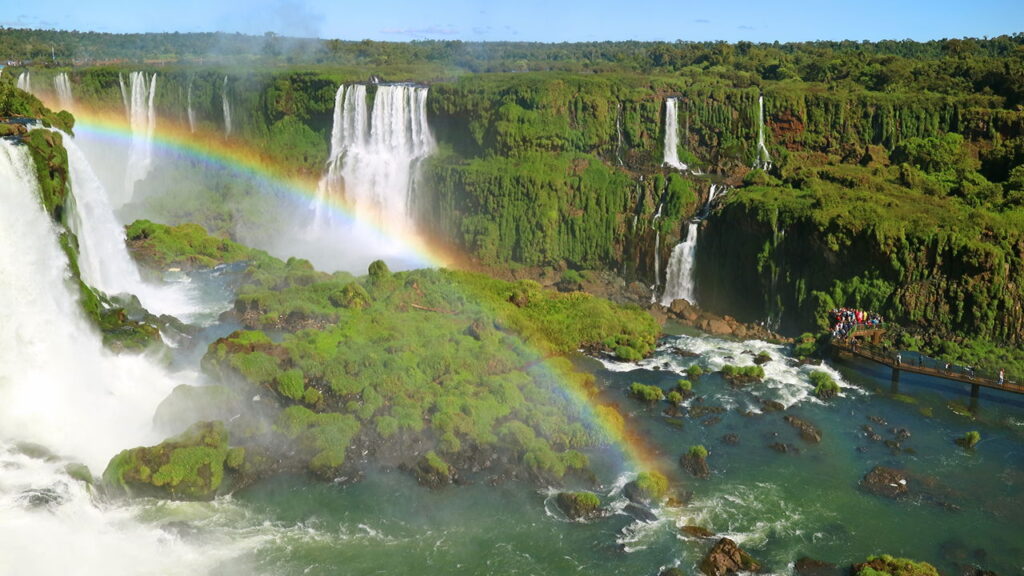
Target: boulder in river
[(725, 557)]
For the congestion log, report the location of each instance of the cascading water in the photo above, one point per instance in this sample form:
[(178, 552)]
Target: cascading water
[(124, 97), (25, 82), (142, 119), (680, 281), (375, 156), (191, 113), (104, 260), (764, 160), (62, 85), (672, 134), (618, 134), (657, 251), (61, 392), (226, 104)]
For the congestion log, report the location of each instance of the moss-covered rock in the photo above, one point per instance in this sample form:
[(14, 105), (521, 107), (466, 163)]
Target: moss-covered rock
[(433, 472), (578, 505), (886, 565), (647, 488), (187, 467)]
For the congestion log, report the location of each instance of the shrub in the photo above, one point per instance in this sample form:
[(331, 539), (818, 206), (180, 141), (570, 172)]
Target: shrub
[(651, 485), (970, 439), (684, 385), (694, 371), (824, 386), (698, 451), (627, 354), (888, 566), (578, 504), (674, 397), (646, 392)]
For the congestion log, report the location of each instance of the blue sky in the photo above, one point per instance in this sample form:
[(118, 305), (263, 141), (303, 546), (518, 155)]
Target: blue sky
[(535, 20)]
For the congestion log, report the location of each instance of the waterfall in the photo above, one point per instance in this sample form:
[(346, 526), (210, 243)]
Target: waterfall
[(124, 97), (227, 107), (672, 135), (104, 260), (657, 249), (618, 134), (62, 84), (142, 119), (375, 155), (679, 280), (764, 160), (60, 390), (25, 82), (191, 113)]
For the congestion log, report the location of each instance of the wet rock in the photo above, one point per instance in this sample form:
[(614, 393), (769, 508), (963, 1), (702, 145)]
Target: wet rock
[(695, 464), (887, 482), (807, 430), (783, 448), (684, 353), (901, 433), (640, 512), (811, 567), (771, 406), (893, 444), (698, 412), (731, 439), (878, 420), (711, 421), (727, 558), (673, 571), (697, 531), (43, 497)]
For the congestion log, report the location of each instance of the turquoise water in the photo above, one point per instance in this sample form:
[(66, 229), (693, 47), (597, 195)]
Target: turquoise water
[(778, 506)]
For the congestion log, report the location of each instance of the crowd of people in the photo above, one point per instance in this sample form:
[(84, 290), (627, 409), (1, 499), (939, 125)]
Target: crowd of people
[(843, 320)]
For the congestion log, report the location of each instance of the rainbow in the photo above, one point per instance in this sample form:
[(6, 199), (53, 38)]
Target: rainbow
[(216, 151)]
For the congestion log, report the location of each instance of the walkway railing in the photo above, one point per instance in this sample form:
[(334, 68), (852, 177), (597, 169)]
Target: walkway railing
[(918, 363)]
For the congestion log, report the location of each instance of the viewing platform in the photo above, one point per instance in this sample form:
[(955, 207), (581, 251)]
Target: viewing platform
[(865, 343)]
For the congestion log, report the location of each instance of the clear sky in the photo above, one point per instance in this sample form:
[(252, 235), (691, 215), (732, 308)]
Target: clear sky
[(534, 20)]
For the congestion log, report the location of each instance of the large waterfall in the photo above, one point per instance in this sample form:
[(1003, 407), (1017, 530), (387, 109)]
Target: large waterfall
[(226, 104), (375, 154), (62, 85), (104, 260), (142, 119), (25, 82), (680, 281), (64, 399), (672, 134), (764, 160)]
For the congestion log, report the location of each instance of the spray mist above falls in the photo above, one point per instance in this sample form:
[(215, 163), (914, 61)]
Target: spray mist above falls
[(141, 113), (376, 151)]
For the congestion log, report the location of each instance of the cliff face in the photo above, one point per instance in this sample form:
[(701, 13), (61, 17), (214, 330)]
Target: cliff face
[(555, 169)]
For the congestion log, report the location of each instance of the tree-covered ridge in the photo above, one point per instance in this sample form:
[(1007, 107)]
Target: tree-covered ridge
[(403, 363)]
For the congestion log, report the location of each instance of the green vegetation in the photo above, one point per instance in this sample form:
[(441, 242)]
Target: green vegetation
[(645, 392), (470, 364), (742, 374), (187, 246), (970, 439), (188, 467), (578, 505), (824, 386), (684, 385), (698, 452), (651, 486), (886, 565), (694, 371)]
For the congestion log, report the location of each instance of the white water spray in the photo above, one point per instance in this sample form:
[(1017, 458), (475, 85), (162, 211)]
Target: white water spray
[(671, 153), (764, 160), (62, 84), (142, 119), (226, 104), (375, 156), (124, 97), (25, 82), (61, 390), (104, 260)]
